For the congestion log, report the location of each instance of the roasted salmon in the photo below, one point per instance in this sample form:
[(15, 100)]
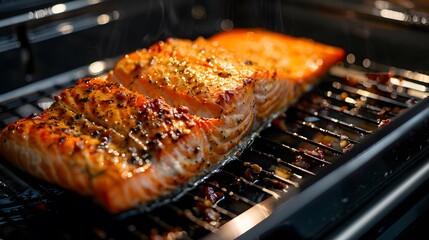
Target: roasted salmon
[(293, 64), (277, 67), (180, 107), (102, 140), (209, 80)]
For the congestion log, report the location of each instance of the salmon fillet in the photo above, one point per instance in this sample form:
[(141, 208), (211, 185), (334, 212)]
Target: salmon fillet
[(104, 141), (293, 64), (207, 79)]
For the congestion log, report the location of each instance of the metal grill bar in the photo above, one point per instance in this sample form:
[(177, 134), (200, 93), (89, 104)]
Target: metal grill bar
[(240, 179), (271, 174), (360, 104), (368, 94), (188, 214), (326, 131), (333, 120), (342, 110), (233, 195), (305, 139), (296, 151), (282, 162), (216, 207), (386, 83)]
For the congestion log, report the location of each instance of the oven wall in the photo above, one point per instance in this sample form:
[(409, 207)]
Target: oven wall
[(34, 50)]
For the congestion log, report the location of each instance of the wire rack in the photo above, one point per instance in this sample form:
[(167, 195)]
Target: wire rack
[(350, 103)]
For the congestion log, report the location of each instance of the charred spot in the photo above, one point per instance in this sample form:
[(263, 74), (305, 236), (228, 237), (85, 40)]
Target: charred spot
[(157, 103), (84, 99), (108, 101), (121, 96), (105, 140), (317, 152), (252, 172), (247, 81), (78, 116), (248, 62), (95, 133), (90, 89), (168, 120), (224, 74), (144, 134), (197, 150), (136, 160), (61, 140), (10, 128), (211, 193), (113, 84), (137, 128)]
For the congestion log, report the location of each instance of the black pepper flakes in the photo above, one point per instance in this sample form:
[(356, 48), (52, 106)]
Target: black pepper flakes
[(107, 101), (83, 100), (61, 140), (224, 74), (96, 133), (197, 150)]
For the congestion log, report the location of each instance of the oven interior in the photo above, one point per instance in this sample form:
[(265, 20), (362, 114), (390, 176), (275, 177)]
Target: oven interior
[(348, 159)]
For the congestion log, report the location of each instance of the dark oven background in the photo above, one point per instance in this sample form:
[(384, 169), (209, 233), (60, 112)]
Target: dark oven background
[(37, 42)]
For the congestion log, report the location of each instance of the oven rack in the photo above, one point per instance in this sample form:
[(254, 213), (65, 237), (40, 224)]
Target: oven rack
[(317, 134)]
